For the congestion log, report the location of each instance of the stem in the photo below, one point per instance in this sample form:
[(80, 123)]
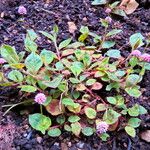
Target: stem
[(14, 105), (57, 50), (41, 109)]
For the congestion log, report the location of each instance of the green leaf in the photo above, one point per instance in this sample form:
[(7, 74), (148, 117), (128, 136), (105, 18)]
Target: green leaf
[(48, 100), (84, 29), (47, 56), (112, 100), (104, 136), (50, 36), (90, 82), (134, 122), (133, 91), (54, 132), (64, 43), (108, 44), (132, 79), (73, 119), (76, 68), (142, 110), (111, 116), (30, 45), (39, 122), (59, 66), (54, 83), (32, 35), (136, 40), (67, 127), (87, 131), (68, 102), (60, 119), (76, 94), (87, 59), (28, 88), (74, 80), (113, 32), (147, 66), (120, 73), (9, 54), (33, 63), (99, 2), (133, 61), (134, 111), (101, 107), (119, 12), (76, 128), (113, 53), (90, 112), (130, 130), (16, 76)]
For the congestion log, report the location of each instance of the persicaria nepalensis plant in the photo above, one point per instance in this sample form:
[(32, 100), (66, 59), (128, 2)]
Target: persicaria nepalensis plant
[(68, 82)]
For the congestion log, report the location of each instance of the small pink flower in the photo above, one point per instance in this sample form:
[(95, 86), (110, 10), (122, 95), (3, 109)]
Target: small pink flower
[(102, 127), (2, 61), (108, 10), (145, 57), (40, 98), (136, 53), (22, 10), (108, 19)]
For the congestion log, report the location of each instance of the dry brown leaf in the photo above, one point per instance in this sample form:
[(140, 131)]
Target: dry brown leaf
[(129, 6), (72, 27)]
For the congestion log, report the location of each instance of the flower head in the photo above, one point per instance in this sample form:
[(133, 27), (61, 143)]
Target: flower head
[(136, 53), (102, 127), (108, 10), (145, 57), (40, 98), (2, 61), (108, 19), (22, 10)]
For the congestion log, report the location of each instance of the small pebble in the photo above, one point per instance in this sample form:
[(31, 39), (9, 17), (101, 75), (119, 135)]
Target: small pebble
[(80, 145), (39, 139)]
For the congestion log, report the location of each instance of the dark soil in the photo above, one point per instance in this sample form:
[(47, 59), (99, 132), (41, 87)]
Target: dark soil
[(15, 133)]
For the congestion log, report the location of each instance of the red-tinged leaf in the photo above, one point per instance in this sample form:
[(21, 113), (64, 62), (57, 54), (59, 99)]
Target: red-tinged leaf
[(54, 108), (80, 87), (97, 86), (67, 52), (114, 126)]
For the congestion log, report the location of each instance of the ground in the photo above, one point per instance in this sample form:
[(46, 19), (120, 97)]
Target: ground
[(15, 133)]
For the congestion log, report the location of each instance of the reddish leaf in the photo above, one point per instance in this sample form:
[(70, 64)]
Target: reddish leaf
[(54, 108), (96, 86)]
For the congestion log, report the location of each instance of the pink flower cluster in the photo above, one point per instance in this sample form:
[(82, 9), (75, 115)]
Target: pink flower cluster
[(108, 19), (40, 98), (144, 57), (22, 10), (102, 127), (2, 61)]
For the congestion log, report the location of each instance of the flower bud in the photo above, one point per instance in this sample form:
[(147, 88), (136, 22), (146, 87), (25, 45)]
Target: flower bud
[(136, 53), (145, 57), (22, 10), (40, 98), (102, 127), (108, 19), (108, 10), (2, 61)]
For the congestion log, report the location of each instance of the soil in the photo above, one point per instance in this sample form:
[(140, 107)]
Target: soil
[(15, 132)]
